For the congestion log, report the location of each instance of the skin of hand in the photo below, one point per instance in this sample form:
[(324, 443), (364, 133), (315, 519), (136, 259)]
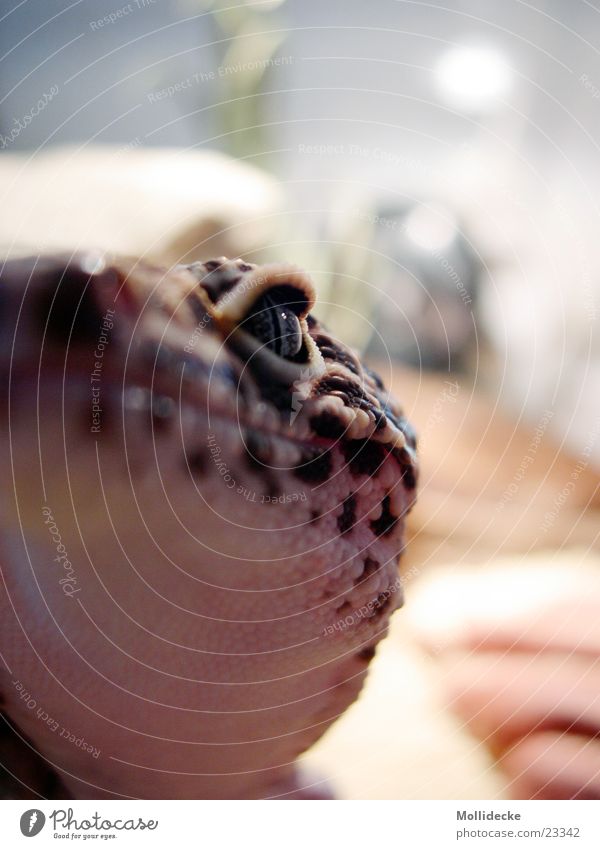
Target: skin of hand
[(519, 654)]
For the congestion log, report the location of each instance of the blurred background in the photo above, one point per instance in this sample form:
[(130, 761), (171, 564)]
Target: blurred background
[(436, 168)]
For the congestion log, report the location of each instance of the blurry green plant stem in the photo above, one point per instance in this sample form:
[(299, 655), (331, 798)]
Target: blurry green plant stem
[(248, 51)]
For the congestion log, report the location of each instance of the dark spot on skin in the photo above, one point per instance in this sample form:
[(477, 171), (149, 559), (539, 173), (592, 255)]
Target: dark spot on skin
[(243, 266), (392, 416), (215, 277), (273, 488), (386, 523), (408, 467), (344, 609), (315, 468), (156, 356), (347, 520), (200, 314), (331, 351), (403, 426), (380, 419), (314, 517), (327, 425), (256, 449), (257, 456), (352, 395), (277, 393), (220, 286), (192, 369), (363, 456), (407, 429), (381, 604), (370, 567), (367, 654), (310, 322), (226, 372), (375, 377), (348, 390), (408, 477), (196, 462)]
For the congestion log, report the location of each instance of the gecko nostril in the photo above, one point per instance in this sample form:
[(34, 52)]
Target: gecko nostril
[(274, 320)]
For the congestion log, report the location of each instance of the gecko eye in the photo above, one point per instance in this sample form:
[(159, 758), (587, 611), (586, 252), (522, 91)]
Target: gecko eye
[(273, 320)]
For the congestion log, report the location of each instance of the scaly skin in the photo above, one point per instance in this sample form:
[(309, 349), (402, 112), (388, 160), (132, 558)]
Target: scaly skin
[(195, 578)]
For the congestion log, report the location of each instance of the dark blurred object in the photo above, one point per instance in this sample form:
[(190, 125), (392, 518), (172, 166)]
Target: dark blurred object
[(428, 272), (421, 274)]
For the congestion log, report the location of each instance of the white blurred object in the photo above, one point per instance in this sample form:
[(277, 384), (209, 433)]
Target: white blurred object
[(473, 78), (451, 601), (431, 228), (166, 204)]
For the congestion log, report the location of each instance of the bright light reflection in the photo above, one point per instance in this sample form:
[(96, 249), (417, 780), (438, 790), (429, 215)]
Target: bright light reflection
[(472, 78)]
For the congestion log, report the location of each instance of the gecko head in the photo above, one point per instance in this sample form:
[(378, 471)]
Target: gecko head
[(320, 453), (269, 435)]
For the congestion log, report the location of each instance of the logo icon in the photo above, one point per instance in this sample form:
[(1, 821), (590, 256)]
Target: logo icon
[(32, 822)]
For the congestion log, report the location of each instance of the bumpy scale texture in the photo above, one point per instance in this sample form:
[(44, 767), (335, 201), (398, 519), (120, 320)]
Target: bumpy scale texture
[(203, 506)]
